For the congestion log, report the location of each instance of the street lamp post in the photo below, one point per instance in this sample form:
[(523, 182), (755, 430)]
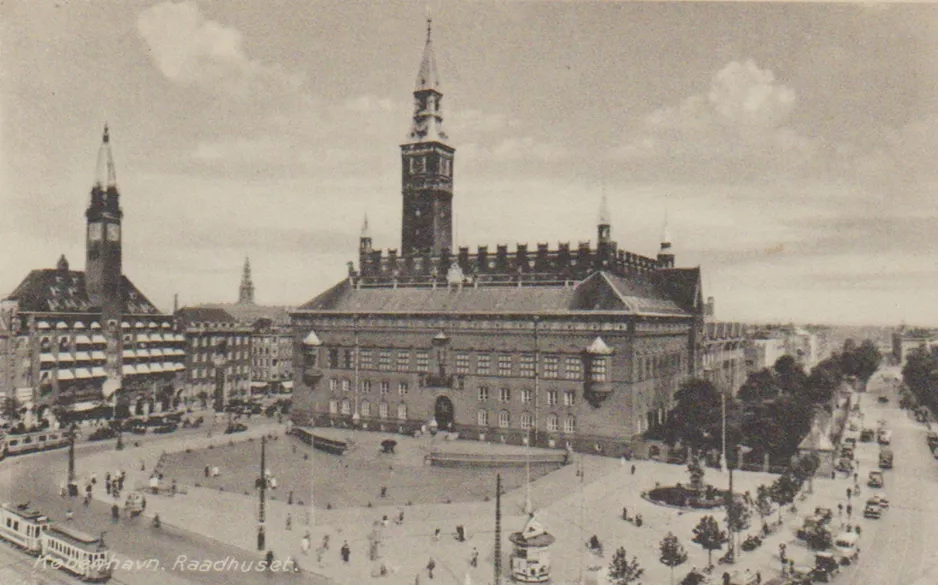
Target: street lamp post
[(262, 484), (72, 486)]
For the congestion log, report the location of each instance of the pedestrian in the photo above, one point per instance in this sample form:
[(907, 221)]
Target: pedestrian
[(107, 486), (173, 488), (400, 517), (346, 551), (849, 494), (68, 515), (289, 521), (840, 509), (474, 557), (436, 535), (625, 513), (269, 557), (858, 530), (304, 544), (319, 555), (325, 542), (384, 491), (633, 469), (460, 533), (207, 470), (430, 566), (856, 478), (273, 483), (849, 511), (758, 577), (290, 498), (834, 474), (115, 513), (94, 478)]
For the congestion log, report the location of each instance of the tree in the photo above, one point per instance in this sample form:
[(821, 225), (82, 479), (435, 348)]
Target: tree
[(697, 402), (759, 386), (10, 408), (805, 467), (783, 491), (622, 571), (708, 535), (763, 501), (671, 553), (791, 378), (696, 471)]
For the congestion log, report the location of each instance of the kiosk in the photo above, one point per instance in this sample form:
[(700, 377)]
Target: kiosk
[(530, 559)]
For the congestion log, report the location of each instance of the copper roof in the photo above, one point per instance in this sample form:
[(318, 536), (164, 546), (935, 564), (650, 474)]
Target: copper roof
[(63, 291)]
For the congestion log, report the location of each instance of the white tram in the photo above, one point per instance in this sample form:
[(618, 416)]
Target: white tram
[(34, 441), (58, 547), (76, 552), (22, 526)]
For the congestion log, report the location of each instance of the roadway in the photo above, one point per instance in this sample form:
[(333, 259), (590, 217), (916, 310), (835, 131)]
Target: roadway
[(35, 478), (898, 548)]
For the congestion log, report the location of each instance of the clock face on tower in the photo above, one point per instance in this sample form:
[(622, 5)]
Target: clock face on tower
[(95, 232), (113, 232)]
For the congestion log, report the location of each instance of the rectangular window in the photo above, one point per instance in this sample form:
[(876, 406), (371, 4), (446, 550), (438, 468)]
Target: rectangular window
[(403, 361), (402, 388), (333, 384), (462, 363), (504, 365), (383, 410), (504, 394), (483, 364), (526, 366), (346, 385), (384, 360), (550, 366), (527, 396), (553, 423), (348, 359), (366, 386), (573, 368), (385, 387), (365, 359), (527, 420), (504, 419), (483, 418), (551, 398), (569, 425), (569, 398), (423, 362), (483, 393), (599, 369), (333, 357)]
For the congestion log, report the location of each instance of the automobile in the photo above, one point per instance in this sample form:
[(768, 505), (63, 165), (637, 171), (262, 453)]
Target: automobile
[(851, 441), (236, 428), (932, 439), (826, 566), (102, 433), (879, 500), (885, 437), (847, 451), (875, 479), (845, 545), (866, 435), (137, 427), (825, 514), (885, 459), (872, 511), (882, 400)]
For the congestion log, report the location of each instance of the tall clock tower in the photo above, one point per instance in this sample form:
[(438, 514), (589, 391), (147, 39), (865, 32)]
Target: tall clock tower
[(427, 161), (103, 244)]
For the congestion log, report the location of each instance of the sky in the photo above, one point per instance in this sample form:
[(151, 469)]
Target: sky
[(792, 147)]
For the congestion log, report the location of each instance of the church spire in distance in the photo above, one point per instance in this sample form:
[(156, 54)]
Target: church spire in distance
[(105, 175), (666, 254), (246, 293)]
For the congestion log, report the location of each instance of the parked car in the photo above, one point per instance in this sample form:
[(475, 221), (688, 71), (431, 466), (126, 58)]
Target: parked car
[(875, 479), (236, 428), (883, 400), (164, 428), (879, 500), (872, 511), (102, 433), (885, 437), (885, 459), (845, 544), (866, 435), (932, 439)]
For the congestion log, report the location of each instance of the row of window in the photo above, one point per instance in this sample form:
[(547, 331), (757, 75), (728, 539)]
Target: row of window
[(656, 366), (365, 386), (213, 340), (344, 407), (232, 355), (210, 372), (526, 395)]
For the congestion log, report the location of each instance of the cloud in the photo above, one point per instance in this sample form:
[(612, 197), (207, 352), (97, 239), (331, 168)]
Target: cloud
[(190, 50), (740, 118)]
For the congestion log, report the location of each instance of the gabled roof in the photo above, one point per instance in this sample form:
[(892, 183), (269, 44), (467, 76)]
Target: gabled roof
[(600, 292), (63, 291), (683, 285)]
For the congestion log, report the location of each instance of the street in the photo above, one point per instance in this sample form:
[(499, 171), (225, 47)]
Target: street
[(899, 547)]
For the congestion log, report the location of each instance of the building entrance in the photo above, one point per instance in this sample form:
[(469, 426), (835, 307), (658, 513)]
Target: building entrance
[(443, 413)]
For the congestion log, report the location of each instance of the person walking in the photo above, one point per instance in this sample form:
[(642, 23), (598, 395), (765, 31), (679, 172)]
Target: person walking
[(849, 511), (325, 542), (269, 557), (474, 557), (305, 543), (289, 521), (436, 535), (430, 566), (346, 551)]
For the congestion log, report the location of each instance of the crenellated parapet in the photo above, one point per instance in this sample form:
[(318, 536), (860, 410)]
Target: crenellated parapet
[(502, 265)]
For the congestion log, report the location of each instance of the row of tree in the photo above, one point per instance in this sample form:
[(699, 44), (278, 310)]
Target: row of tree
[(920, 374), (773, 409)]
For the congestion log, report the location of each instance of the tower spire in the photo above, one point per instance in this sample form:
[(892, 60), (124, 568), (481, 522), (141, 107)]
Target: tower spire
[(604, 225), (246, 293), (665, 254), (427, 125), (105, 175)]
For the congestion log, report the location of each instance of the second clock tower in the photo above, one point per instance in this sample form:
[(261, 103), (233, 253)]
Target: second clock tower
[(103, 243)]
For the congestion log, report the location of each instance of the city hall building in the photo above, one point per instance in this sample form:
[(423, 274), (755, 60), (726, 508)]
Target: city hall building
[(572, 346), (87, 343)]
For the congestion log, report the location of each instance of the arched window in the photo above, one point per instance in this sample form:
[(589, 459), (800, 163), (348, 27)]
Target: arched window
[(553, 422), (383, 410), (483, 418), (346, 406), (333, 407), (527, 420), (366, 408), (569, 424), (504, 419), (402, 411)]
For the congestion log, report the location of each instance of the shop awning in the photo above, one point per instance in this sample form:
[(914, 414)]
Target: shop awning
[(312, 340), (143, 338), (61, 325), (143, 353), (128, 370), (43, 325), (84, 406), (180, 367), (98, 355), (178, 337), (165, 325), (82, 356), (128, 353), (79, 325), (46, 358), (95, 325), (66, 357), (143, 369), (125, 325), (156, 368), (98, 372), (155, 338), (82, 340), (65, 375), (258, 384), (83, 373), (288, 384), (156, 352), (97, 338), (139, 325), (152, 325)]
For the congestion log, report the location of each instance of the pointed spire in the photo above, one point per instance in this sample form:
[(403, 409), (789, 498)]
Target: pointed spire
[(246, 293), (427, 76), (105, 175), (366, 231), (605, 218)]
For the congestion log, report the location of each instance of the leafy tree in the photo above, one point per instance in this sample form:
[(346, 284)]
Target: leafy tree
[(622, 571), (697, 406), (708, 535), (805, 467), (783, 491), (791, 378), (759, 386), (763, 501), (10, 408), (671, 553)]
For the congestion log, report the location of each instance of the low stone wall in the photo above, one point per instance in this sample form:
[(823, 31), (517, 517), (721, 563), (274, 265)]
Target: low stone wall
[(443, 459)]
